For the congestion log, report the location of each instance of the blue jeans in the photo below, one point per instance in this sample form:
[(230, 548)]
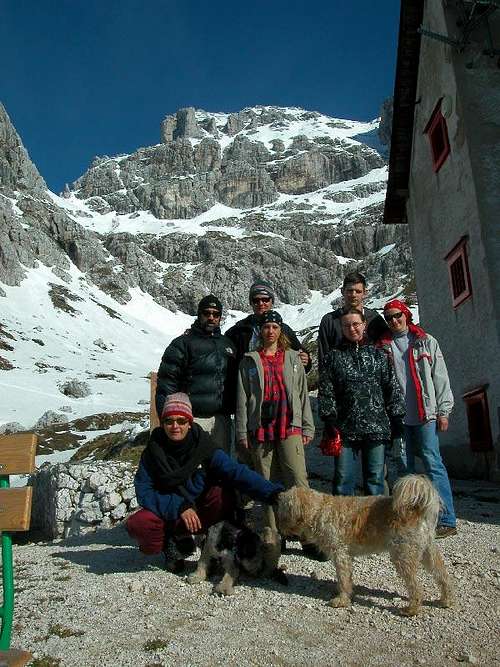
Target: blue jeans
[(399, 456), (372, 455), (395, 461), (423, 441)]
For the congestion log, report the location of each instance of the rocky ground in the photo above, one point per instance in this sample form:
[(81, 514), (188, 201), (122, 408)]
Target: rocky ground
[(97, 601)]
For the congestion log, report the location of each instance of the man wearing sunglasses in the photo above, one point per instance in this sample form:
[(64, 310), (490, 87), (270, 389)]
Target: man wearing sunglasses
[(354, 293), (245, 333), (202, 363), (423, 378)]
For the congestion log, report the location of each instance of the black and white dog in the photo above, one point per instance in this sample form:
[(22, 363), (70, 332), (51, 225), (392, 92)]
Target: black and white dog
[(239, 549)]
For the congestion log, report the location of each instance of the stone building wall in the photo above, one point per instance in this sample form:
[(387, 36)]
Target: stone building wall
[(450, 204)]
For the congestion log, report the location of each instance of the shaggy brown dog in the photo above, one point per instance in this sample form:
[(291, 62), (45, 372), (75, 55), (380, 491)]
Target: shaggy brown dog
[(347, 526)]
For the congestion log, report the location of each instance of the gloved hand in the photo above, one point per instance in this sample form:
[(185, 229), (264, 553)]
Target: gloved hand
[(397, 428), (331, 445), (330, 428)]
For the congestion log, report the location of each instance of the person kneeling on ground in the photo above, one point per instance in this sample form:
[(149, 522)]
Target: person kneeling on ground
[(185, 484)]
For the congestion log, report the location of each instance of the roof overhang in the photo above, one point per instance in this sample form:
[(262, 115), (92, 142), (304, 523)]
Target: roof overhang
[(405, 89)]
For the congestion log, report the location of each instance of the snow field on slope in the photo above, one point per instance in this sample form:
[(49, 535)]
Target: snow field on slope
[(135, 344), (144, 222)]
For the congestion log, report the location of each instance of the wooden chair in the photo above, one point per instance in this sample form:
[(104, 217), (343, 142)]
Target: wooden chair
[(153, 415), (17, 456)]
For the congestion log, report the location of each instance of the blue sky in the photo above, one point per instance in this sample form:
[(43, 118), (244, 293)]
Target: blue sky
[(95, 77)]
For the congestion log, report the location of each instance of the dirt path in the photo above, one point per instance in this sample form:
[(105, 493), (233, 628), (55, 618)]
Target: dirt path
[(97, 601)]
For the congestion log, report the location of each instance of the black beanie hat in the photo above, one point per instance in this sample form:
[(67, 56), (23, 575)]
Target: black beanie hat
[(270, 316), (261, 287), (209, 301)]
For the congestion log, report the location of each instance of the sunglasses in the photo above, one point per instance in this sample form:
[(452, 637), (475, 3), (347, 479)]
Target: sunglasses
[(394, 316), (261, 299), (170, 421), (213, 313)]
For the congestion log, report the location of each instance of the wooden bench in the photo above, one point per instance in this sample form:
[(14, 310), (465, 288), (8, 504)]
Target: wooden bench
[(14, 658), (17, 457), (153, 415)]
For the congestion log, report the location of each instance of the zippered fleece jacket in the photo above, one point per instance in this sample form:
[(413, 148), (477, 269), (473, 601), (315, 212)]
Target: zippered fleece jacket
[(359, 393), (428, 372), (251, 391), (221, 470)]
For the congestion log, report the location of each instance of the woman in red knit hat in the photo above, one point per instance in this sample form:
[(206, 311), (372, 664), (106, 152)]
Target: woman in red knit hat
[(185, 484)]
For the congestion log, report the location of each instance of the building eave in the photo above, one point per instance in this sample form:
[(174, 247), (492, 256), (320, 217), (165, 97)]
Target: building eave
[(405, 89)]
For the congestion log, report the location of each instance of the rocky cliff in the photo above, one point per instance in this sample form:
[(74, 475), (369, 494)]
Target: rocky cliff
[(300, 200), (223, 200), (283, 193)]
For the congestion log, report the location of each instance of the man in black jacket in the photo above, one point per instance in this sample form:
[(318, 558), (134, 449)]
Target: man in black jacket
[(330, 330), (245, 333), (202, 363)]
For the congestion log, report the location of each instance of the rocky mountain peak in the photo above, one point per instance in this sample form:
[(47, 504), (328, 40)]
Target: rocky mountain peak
[(17, 172), (226, 198), (282, 194), (240, 160)]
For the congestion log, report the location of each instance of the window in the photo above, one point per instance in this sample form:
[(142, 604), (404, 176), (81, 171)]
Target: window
[(437, 132), (478, 418), (458, 271)]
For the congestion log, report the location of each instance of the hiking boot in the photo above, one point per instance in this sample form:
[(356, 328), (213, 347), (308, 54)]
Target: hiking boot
[(312, 551), (445, 531)]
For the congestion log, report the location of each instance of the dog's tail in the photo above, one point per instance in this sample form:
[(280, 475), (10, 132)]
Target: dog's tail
[(415, 494)]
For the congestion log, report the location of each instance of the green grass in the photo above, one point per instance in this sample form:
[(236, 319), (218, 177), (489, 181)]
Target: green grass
[(63, 632), (45, 661), (155, 644)]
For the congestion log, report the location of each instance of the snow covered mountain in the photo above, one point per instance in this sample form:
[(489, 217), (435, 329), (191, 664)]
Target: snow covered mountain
[(226, 198), (95, 282)]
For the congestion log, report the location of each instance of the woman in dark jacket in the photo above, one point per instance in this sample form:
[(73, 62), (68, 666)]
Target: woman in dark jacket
[(359, 396), (185, 484)]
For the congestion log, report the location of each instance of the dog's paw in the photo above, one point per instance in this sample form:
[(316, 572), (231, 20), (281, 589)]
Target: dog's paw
[(223, 589), (411, 610), (340, 601), (279, 575), (196, 578), (447, 602)]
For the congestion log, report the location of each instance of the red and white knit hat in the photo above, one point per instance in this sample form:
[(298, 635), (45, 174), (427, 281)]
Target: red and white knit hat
[(179, 405)]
